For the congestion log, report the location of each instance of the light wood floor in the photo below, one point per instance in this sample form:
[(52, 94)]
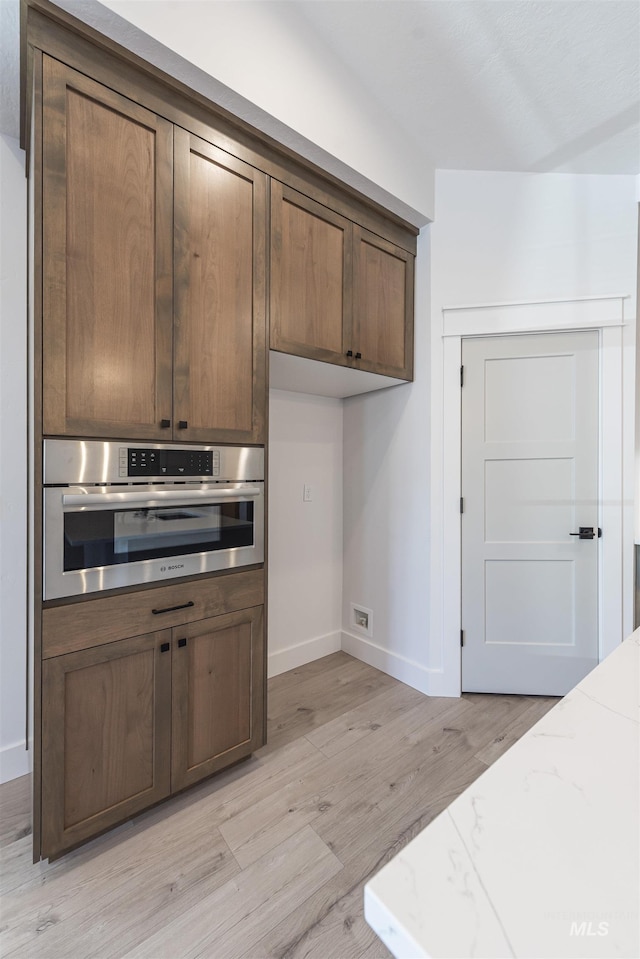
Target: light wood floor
[(270, 858)]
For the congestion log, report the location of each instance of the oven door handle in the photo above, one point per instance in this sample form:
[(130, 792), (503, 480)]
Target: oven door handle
[(90, 500)]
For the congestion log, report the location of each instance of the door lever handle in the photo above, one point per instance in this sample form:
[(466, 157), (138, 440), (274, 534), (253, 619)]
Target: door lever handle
[(587, 532)]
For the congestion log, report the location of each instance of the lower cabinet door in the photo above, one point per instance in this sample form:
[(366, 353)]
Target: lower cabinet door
[(106, 725), (218, 694)]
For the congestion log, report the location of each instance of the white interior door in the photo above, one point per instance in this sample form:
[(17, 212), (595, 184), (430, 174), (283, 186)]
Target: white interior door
[(529, 482)]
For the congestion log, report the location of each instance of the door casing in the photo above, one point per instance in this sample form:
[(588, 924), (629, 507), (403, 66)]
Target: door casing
[(605, 314)]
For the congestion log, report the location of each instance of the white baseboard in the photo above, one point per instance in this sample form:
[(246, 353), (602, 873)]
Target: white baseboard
[(405, 670), (292, 656), (427, 681), (440, 684), (14, 762)]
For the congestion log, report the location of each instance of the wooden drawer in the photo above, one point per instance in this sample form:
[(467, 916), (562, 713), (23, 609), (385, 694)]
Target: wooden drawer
[(78, 626)]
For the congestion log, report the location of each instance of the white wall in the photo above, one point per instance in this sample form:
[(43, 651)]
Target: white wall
[(518, 236), (637, 519), (305, 538), (386, 511), (13, 468), (636, 620), (504, 237), (496, 237)]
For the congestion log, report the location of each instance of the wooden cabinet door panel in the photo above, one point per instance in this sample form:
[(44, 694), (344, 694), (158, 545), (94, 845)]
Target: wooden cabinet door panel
[(106, 737), (383, 305), (107, 257), (310, 277), (220, 236), (218, 694)]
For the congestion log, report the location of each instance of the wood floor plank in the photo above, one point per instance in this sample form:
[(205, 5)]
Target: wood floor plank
[(395, 808), (270, 773), (152, 873), (268, 859), (305, 798), (15, 810), (433, 768), (320, 697), (333, 919), (366, 719), (538, 707), (16, 868), (242, 909), (342, 929), (377, 950), (342, 932)]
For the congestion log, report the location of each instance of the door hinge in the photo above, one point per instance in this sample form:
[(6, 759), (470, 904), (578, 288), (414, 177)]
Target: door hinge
[(462, 637), (462, 504), (462, 376)]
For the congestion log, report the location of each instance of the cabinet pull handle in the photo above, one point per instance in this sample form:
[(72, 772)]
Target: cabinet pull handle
[(165, 424), (358, 356), (182, 424), (182, 642), (172, 609), (349, 352), (165, 647)]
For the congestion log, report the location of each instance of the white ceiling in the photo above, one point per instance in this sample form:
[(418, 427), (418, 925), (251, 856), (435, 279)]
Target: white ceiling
[(516, 85), (513, 85)]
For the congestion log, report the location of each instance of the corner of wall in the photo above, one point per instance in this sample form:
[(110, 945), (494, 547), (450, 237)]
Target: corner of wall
[(13, 469)]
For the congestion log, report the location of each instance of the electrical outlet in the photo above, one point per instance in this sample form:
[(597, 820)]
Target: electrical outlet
[(307, 494), (362, 619)]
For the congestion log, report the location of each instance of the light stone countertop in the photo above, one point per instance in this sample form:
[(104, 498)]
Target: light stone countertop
[(540, 856)]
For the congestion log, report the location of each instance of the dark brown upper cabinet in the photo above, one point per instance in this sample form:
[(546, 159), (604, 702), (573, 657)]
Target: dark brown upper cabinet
[(310, 277), (107, 260), (339, 293), (127, 350), (220, 241), (383, 279)]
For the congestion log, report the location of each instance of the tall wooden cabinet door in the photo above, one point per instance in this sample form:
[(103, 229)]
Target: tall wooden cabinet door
[(382, 305), (310, 277), (220, 284), (106, 734), (107, 261), (218, 694)]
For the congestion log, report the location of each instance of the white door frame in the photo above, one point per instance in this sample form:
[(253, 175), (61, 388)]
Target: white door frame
[(605, 314)]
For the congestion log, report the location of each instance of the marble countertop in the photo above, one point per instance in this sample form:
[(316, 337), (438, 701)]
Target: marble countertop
[(540, 856)]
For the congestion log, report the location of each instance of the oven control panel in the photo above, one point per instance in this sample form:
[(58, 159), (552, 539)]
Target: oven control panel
[(140, 461), (94, 462)]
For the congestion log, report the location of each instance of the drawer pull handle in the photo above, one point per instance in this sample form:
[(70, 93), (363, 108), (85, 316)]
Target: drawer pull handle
[(182, 642), (172, 609), (165, 424), (358, 356), (183, 425), (349, 352), (165, 647)]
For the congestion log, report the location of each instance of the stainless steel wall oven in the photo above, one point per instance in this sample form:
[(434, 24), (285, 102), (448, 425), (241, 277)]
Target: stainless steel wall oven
[(121, 514)]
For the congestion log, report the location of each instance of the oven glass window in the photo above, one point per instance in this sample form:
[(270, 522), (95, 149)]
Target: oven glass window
[(110, 537)]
